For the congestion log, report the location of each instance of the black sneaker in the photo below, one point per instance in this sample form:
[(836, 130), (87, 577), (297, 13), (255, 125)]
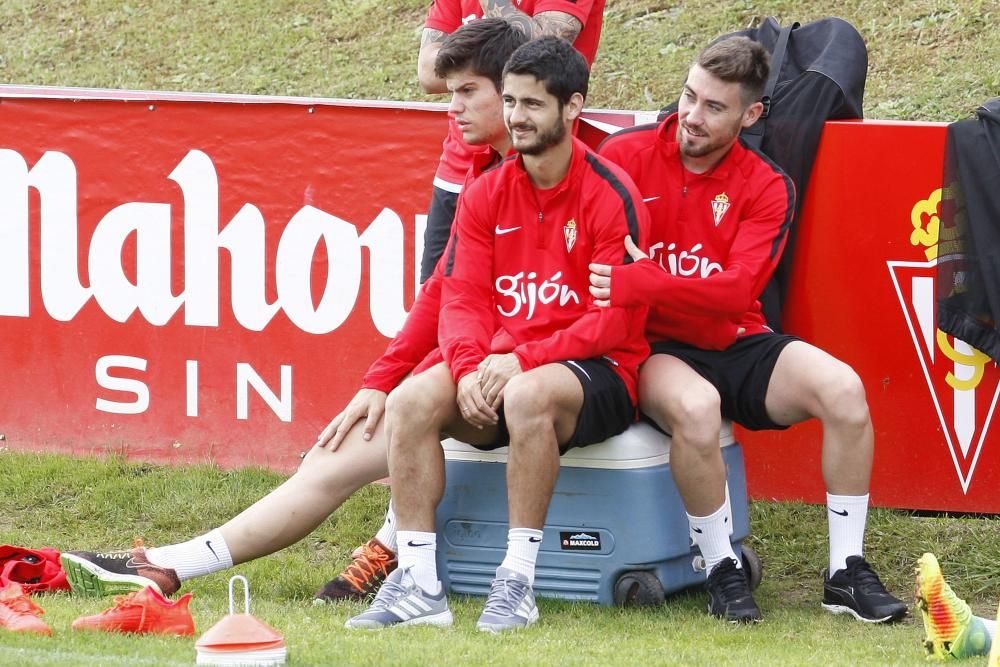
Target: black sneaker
[(856, 590), (729, 594)]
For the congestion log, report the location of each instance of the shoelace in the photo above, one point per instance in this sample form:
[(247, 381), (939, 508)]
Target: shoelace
[(864, 577), (505, 594), (731, 581), (366, 565), (122, 602), (388, 595), (23, 605)]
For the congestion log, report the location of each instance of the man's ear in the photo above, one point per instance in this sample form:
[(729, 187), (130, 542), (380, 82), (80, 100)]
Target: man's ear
[(574, 107), (752, 113)]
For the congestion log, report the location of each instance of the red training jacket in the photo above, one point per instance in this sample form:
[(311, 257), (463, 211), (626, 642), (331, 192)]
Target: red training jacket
[(716, 237), (519, 281)]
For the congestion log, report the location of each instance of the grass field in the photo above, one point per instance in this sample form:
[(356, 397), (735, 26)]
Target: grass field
[(105, 503), (929, 60)]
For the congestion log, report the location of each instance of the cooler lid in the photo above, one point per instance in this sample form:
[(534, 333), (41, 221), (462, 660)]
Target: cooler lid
[(641, 446)]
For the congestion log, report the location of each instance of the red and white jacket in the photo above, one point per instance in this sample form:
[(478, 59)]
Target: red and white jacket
[(715, 238), (449, 15), (519, 277), (415, 346)]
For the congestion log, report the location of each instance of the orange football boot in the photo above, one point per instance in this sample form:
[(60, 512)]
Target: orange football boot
[(18, 613), (144, 611)]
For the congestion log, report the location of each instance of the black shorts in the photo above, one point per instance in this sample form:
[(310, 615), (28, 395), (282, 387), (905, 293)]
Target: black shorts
[(607, 409), (440, 215), (740, 373)]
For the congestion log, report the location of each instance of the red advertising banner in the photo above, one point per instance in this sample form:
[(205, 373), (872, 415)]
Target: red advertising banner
[(863, 288), (193, 277)]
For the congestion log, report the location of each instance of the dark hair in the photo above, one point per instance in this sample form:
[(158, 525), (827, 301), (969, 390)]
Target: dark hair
[(555, 63), (482, 46), (738, 60)]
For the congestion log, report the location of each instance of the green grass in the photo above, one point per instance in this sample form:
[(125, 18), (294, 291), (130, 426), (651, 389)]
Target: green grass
[(53, 500), (929, 59)]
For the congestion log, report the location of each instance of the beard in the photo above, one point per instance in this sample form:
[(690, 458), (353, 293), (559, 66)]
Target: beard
[(544, 139), (694, 150)]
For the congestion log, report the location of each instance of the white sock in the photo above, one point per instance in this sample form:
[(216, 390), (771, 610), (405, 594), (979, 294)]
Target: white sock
[(195, 558), (522, 551), (418, 553), (712, 538), (846, 516), (387, 533)]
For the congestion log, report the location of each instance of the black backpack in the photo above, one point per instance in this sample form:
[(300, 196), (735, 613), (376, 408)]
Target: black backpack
[(818, 73)]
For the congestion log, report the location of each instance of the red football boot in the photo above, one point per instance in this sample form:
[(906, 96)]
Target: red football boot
[(144, 611), (18, 613)]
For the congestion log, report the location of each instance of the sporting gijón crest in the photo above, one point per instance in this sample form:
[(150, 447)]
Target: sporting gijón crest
[(964, 383)]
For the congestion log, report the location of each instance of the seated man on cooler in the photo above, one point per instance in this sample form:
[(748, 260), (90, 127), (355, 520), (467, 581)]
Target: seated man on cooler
[(351, 451), (528, 359), (720, 214)]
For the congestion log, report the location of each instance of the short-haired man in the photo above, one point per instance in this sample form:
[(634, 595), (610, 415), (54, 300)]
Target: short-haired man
[(720, 217), (351, 451), (577, 21), (529, 360)]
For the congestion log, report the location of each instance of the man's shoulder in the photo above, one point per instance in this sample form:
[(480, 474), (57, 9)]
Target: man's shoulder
[(763, 174), (627, 140)]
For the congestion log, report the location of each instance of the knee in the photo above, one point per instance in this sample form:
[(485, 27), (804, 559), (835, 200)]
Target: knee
[(694, 416), (409, 407), (843, 401), (525, 399)]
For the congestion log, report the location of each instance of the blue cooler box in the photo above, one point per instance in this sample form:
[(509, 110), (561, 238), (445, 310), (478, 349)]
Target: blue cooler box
[(616, 531)]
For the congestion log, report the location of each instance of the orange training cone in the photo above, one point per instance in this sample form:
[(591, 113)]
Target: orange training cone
[(241, 639)]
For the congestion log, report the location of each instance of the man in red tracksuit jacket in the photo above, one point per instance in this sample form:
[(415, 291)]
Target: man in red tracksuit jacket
[(351, 450), (720, 214), (577, 21), (529, 359)]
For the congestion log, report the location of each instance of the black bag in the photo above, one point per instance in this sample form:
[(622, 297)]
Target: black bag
[(818, 73), (968, 270)]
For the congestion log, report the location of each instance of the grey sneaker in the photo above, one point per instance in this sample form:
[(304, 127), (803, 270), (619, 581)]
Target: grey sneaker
[(401, 602), (511, 604)]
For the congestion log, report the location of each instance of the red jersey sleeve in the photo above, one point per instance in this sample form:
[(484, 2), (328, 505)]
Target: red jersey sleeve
[(415, 340), (466, 324), (578, 10), (444, 15), (730, 293)]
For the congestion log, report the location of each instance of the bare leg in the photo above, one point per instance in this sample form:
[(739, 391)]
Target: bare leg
[(541, 408), (688, 406), (322, 483)]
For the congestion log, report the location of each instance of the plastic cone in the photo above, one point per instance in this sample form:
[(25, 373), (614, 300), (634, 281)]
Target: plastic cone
[(241, 639)]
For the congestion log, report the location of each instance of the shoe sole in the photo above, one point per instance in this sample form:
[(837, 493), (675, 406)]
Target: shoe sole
[(495, 628), (86, 578), (442, 620), (841, 609)]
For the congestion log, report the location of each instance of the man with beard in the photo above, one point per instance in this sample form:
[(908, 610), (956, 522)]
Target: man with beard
[(720, 215), (529, 360)]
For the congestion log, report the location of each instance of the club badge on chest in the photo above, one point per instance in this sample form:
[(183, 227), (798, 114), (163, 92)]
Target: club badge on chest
[(569, 233)]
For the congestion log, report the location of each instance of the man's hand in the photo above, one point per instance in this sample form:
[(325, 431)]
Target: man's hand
[(474, 407), (600, 275), (495, 371), (367, 404)]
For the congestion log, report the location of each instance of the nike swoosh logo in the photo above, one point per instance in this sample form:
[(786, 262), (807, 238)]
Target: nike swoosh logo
[(133, 564), (648, 199), (841, 513), (208, 543), (411, 543), (534, 539), (501, 231), (698, 530)]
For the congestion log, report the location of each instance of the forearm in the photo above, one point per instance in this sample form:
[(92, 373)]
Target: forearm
[(430, 44), (559, 24)]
